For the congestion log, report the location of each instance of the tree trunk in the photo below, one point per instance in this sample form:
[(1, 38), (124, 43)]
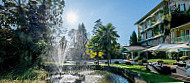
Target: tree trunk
[(108, 59), (97, 57)]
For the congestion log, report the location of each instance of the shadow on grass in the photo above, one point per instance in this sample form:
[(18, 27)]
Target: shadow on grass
[(20, 73)]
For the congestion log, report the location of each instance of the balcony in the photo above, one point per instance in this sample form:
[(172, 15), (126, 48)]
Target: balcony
[(152, 26), (151, 38), (182, 39)]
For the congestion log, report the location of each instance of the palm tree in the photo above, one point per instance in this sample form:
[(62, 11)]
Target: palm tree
[(108, 37)]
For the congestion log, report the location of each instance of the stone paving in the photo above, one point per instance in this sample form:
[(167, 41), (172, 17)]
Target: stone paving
[(180, 77)]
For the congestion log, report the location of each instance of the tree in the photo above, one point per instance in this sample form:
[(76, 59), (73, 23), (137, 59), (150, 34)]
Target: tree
[(133, 39), (108, 39), (25, 30), (98, 23), (93, 48)]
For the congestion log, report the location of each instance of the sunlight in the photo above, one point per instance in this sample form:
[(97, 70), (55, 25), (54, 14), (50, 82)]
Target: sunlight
[(71, 18)]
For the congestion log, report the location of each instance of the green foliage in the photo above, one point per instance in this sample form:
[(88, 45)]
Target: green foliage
[(140, 62), (183, 58), (24, 33), (133, 39), (188, 11), (96, 62), (104, 40), (106, 62), (165, 61), (159, 54), (144, 60), (137, 58), (139, 37), (116, 62)]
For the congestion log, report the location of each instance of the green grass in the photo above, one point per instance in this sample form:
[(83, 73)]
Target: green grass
[(146, 75), (166, 61)]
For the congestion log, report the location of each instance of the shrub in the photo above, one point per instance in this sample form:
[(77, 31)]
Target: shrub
[(159, 54), (85, 63), (116, 62), (160, 62), (77, 63), (144, 60), (95, 62), (137, 58), (128, 63), (140, 62), (183, 58), (106, 62)]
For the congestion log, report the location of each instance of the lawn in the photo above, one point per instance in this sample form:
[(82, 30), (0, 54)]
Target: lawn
[(147, 75), (165, 61)]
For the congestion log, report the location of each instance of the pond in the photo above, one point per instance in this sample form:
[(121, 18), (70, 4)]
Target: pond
[(96, 76)]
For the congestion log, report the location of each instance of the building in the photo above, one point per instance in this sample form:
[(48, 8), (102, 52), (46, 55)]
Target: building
[(154, 27), (181, 34)]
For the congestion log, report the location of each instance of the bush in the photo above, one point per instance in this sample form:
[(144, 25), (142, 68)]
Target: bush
[(128, 63), (137, 58), (116, 62), (160, 62), (144, 60), (85, 63), (183, 58), (159, 54), (106, 62), (140, 62), (95, 62)]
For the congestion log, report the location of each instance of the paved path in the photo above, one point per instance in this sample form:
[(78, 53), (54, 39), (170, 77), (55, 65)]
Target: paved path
[(180, 77)]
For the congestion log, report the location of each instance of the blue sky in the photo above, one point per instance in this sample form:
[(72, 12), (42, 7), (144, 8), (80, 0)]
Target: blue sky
[(121, 13)]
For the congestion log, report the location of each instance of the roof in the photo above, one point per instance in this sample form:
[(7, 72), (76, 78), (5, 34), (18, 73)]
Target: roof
[(134, 48), (150, 12), (184, 25)]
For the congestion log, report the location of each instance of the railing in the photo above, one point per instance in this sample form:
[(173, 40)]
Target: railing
[(152, 26), (182, 39)]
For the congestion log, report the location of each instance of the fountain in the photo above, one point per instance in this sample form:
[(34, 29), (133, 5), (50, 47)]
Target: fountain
[(69, 46), (63, 48)]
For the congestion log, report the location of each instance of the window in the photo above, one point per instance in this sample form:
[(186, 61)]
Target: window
[(145, 25), (151, 42), (182, 7), (159, 16), (187, 32), (146, 36), (150, 33), (142, 27), (143, 36), (149, 22), (160, 40)]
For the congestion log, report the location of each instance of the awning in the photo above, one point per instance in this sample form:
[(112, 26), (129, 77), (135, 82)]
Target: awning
[(165, 47), (134, 48), (179, 50)]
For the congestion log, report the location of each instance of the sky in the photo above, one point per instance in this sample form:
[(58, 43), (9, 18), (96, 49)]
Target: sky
[(121, 13)]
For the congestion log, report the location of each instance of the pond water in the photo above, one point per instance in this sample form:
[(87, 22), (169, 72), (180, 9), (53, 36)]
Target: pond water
[(89, 77)]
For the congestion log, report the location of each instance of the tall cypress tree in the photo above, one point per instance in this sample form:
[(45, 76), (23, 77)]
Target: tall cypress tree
[(133, 39)]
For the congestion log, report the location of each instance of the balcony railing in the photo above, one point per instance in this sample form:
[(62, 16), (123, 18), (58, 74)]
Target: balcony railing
[(182, 39)]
